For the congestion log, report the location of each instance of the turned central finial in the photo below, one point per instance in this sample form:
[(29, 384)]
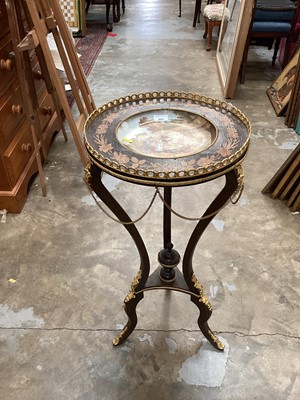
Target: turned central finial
[(168, 259)]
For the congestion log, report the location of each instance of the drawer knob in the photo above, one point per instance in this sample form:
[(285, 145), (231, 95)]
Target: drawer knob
[(17, 109), (6, 65), (38, 75), (26, 147), (46, 111)]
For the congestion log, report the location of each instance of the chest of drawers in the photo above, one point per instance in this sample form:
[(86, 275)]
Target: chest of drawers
[(17, 159)]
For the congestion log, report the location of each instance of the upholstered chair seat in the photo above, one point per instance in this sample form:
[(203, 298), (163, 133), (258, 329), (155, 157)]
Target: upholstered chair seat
[(214, 12)]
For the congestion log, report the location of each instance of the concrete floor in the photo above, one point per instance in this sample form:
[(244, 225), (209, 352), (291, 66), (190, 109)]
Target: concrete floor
[(73, 266)]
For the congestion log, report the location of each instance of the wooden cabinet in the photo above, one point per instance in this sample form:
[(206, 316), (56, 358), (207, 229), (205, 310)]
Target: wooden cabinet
[(17, 158)]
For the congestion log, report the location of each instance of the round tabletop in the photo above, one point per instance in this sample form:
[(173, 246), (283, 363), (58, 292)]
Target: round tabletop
[(167, 138)]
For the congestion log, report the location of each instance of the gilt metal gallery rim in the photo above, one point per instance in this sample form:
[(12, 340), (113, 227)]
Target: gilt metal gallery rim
[(226, 150)]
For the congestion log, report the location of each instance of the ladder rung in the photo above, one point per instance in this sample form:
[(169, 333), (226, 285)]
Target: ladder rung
[(29, 42), (50, 22)]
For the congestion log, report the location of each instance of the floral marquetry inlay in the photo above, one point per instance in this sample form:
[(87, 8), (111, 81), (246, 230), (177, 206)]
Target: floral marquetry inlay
[(167, 136)]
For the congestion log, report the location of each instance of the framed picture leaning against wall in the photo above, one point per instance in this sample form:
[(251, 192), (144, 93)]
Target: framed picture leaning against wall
[(280, 91)]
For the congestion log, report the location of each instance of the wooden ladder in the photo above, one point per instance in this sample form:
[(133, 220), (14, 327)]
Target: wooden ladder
[(22, 59), (47, 17), (43, 17)]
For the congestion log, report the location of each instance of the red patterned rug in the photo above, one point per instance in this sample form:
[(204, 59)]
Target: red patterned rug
[(90, 45)]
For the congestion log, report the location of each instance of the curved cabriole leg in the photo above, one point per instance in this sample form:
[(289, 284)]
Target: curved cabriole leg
[(194, 285), (132, 298), (205, 313), (130, 309)]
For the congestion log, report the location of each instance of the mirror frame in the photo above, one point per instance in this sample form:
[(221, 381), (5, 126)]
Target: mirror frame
[(228, 75)]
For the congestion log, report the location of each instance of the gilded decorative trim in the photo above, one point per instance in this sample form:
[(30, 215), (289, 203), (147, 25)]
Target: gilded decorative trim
[(118, 338), (154, 175), (202, 297), (134, 283), (87, 173), (240, 185), (216, 340), (171, 95), (192, 171), (172, 183), (240, 176)]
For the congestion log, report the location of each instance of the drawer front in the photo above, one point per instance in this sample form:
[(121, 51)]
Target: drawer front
[(8, 72), (11, 114), (18, 153), (4, 180), (4, 28), (39, 82), (46, 110)]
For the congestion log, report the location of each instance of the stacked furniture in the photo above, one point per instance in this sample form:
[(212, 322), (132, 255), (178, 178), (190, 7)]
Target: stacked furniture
[(272, 20), (17, 158), (285, 184)]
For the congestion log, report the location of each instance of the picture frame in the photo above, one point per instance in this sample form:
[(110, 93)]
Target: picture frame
[(231, 43), (293, 107), (280, 91)]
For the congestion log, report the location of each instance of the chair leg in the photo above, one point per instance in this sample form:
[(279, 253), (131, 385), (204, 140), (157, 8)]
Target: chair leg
[(244, 61), (206, 28), (109, 27), (276, 48), (210, 29), (116, 11), (87, 6), (287, 51), (197, 12), (179, 11)]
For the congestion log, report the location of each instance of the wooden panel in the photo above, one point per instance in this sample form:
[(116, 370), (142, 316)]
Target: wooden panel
[(46, 110), (13, 200), (4, 181), (3, 19), (39, 82), (8, 71), (18, 153), (11, 114)]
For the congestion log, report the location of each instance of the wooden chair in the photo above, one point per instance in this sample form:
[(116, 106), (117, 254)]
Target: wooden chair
[(213, 15), (271, 20)]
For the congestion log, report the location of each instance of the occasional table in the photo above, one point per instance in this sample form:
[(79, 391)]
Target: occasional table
[(167, 140)]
